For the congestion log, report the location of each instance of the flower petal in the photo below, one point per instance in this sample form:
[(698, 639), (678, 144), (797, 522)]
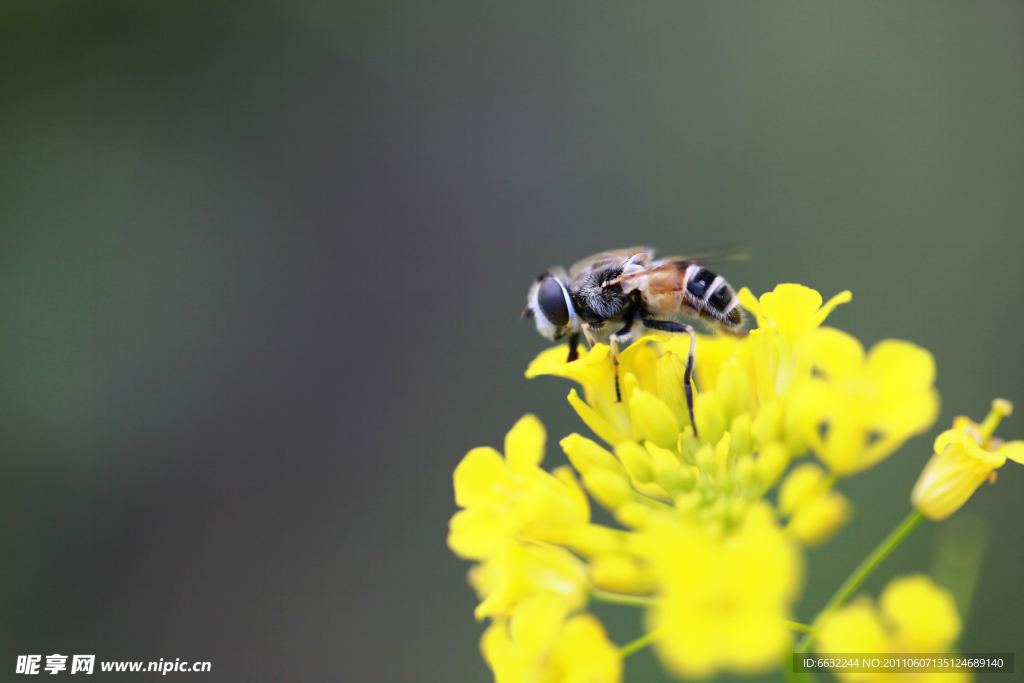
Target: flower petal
[(790, 307), (749, 302), (548, 362), (476, 474), (923, 613), (597, 424), (834, 353), (524, 443), (476, 534), (1013, 450), (537, 620), (585, 655), (830, 305), (900, 364)]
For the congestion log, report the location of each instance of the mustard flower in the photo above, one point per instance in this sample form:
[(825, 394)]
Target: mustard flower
[(540, 642), (965, 456), (652, 404), (816, 511), (724, 596), (621, 573), (784, 317), (697, 542), (856, 410), (520, 570), (511, 497), (914, 615)]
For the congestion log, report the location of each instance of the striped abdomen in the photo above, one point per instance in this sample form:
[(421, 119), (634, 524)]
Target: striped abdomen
[(710, 295)]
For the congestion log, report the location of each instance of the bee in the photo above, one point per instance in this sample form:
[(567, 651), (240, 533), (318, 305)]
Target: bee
[(608, 296)]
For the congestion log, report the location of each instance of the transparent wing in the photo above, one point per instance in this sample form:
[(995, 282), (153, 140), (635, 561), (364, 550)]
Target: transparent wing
[(706, 258)]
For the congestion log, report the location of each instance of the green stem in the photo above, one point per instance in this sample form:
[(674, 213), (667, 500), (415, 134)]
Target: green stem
[(797, 626), (620, 599), (639, 643), (862, 572)]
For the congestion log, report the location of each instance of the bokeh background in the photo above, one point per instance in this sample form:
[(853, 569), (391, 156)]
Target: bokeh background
[(261, 266)]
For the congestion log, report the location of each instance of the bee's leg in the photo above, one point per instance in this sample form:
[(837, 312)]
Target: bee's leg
[(574, 351), (668, 326), (589, 338), (623, 335)]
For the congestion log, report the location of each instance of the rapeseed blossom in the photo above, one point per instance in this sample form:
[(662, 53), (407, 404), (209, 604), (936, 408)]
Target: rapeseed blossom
[(913, 615), (725, 597), (785, 316), (965, 456), (511, 497), (541, 642), (709, 528), (857, 409)]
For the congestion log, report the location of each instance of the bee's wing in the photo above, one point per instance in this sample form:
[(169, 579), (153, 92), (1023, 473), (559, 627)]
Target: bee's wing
[(609, 258), (706, 258), (674, 267)]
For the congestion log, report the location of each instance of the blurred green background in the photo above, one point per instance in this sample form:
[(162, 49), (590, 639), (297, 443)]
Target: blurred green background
[(262, 263)]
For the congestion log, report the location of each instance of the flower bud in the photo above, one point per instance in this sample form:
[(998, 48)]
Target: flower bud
[(706, 460), (636, 460), (669, 374), (733, 388), (722, 452), (633, 514), (820, 517), (688, 445), (710, 417), (772, 461), (950, 478), (803, 482), (585, 455), (592, 539), (620, 573), (767, 426), (672, 475), (742, 441), (609, 490), (652, 419), (965, 456), (746, 472)]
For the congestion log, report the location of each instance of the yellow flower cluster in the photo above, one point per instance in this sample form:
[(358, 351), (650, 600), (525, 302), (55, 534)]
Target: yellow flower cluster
[(914, 615), (699, 542)]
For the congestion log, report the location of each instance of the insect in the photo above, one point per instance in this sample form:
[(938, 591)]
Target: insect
[(608, 296)]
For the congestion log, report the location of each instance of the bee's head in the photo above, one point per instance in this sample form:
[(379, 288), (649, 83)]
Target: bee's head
[(550, 306)]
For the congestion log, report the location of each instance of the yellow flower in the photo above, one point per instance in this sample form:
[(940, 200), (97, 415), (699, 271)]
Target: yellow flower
[(816, 511), (697, 543), (600, 409), (712, 352), (820, 518), (511, 497), (784, 317), (915, 616), (538, 644), (651, 403), (520, 570), (922, 614), (621, 573), (856, 627), (965, 456), (855, 411), (724, 597)]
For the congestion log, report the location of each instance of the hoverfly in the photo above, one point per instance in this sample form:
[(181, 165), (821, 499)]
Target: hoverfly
[(609, 295)]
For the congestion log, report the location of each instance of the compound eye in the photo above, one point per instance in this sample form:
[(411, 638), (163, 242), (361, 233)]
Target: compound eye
[(551, 301)]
